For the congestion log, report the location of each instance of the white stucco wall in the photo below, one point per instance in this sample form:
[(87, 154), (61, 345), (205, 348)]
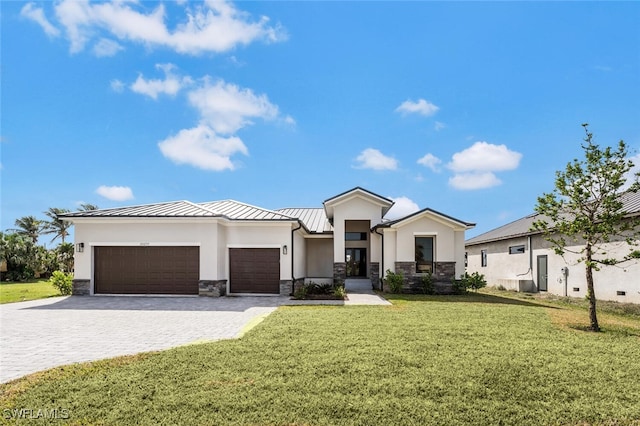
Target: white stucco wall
[(214, 237), (299, 255), (399, 242), (319, 257), (355, 208), (501, 266), (445, 239), (147, 232), (608, 281)]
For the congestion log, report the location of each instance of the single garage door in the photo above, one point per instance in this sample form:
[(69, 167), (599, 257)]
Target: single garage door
[(146, 270), (254, 270)]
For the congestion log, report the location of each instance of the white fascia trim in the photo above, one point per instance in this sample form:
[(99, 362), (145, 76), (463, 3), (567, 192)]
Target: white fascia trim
[(144, 244), (229, 223), (425, 234), (318, 236), (107, 220), (254, 246)]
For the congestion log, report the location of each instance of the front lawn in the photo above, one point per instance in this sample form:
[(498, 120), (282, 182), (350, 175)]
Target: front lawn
[(19, 292), (475, 359)]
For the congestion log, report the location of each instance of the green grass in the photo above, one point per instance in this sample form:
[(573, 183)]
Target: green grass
[(19, 292), (475, 359)]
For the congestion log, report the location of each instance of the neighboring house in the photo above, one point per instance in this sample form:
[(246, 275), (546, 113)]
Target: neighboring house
[(519, 259), (228, 247)]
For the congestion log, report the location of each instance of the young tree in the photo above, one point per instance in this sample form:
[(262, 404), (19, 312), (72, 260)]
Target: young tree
[(586, 209), (28, 226), (56, 226)]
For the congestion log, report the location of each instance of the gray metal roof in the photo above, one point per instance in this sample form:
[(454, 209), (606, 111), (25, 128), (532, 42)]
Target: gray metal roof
[(518, 228), (314, 219), (170, 209), (522, 227), (229, 209), (240, 211)]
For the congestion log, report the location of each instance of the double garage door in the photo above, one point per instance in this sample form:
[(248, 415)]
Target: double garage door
[(176, 270), (146, 270)]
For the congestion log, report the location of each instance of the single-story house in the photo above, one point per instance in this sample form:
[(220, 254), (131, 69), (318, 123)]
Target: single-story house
[(517, 258), (229, 247)]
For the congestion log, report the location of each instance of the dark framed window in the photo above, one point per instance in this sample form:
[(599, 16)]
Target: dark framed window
[(516, 249), (483, 257), (355, 236), (424, 254)]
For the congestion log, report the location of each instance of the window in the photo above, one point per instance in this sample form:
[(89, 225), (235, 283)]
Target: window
[(355, 236), (516, 249), (483, 255), (424, 254)]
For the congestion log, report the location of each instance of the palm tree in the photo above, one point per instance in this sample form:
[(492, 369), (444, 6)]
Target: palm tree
[(56, 226), (85, 207), (29, 226)]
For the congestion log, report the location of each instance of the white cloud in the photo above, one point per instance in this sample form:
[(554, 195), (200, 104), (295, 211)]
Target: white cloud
[(36, 14), (171, 84), (485, 157), (421, 107), (439, 126), (213, 26), (474, 167), (471, 181), (402, 207), (430, 161), (106, 47), (203, 148), (117, 85), (226, 108), (371, 158), (115, 193)]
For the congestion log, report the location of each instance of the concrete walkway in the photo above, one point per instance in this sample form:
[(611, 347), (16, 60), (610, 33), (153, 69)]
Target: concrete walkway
[(41, 334)]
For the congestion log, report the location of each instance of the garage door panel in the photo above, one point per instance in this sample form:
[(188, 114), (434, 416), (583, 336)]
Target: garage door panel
[(254, 270), (146, 270)]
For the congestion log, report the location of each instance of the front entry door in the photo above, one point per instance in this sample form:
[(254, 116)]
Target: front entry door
[(356, 259), (542, 273)]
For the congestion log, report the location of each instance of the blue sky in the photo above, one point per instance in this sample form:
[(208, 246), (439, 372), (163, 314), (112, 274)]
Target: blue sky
[(464, 107)]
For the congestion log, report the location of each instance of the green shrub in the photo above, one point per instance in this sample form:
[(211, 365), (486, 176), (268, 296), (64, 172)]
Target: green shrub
[(63, 282), (460, 286), (394, 281), (476, 281), (501, 287), (300, 292), (339, 291), (427, 284)]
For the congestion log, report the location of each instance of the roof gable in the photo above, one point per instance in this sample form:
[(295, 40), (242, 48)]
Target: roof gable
[(433, 214), (357, 192)]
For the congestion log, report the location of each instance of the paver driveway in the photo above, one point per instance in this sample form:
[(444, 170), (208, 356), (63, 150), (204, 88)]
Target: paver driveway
[(45, 333)]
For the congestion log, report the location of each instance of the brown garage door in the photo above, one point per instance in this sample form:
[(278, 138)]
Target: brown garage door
[(146, 270), (254, 270)]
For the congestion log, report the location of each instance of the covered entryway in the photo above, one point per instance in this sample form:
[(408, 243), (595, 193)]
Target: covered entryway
[(146, 270), (254, 270)]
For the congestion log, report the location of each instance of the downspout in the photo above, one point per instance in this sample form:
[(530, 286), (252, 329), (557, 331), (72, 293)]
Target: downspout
[(530, 271), (382, 259), (530, 256), (293, 278)]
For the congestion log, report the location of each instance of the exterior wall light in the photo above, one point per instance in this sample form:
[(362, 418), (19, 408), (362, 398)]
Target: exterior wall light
[(284, 249), (80, 247)]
